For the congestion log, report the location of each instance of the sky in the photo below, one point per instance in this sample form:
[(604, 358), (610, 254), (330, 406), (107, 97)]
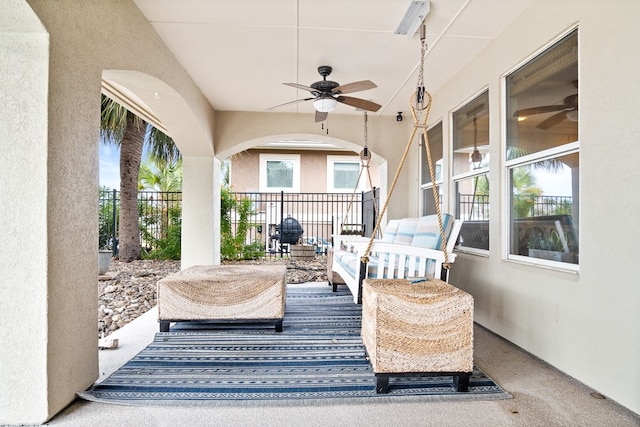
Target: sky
[(110, 166)]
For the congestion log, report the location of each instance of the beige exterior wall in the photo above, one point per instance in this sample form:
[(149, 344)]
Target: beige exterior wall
[(245, 167), (387, 140), (585, 324)]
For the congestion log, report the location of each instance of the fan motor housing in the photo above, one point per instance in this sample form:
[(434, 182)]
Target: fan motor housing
[(325, 85)]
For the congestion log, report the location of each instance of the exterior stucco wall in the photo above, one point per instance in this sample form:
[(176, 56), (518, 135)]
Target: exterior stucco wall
[(245, 169), (50, 275), (387, 138), (585, 324)]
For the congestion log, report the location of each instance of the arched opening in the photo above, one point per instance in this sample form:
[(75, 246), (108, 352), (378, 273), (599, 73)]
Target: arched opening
[(162, 106), (319, 181)]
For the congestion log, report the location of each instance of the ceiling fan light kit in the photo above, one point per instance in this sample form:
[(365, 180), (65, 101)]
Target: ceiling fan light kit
[(325, 105), (413, 17)]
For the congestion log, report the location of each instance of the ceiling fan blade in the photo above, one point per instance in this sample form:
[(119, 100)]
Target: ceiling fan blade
[(363, 104), (289, 103), (571, 101), (538, 110), (320, 116), (552, 121), (299, 86), (354, 87)]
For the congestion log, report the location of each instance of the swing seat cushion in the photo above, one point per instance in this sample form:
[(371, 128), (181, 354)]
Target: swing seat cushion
[(423, 232)]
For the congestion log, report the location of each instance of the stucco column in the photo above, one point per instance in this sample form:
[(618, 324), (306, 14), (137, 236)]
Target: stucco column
[(24, 51), (200, 211)]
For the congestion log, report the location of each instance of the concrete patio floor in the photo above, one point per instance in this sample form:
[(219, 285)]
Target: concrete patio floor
[(542, 396)]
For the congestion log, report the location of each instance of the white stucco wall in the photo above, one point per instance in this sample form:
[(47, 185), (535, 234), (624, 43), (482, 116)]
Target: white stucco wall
[(585, 324), (24, 51), (50, 127)]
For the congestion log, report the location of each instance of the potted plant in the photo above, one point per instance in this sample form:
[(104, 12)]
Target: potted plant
[(104, 260), (105, 253), (550, 245)]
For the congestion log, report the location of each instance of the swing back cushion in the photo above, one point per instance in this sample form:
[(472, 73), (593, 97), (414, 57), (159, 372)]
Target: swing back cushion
[(427, 232), (423, 232)]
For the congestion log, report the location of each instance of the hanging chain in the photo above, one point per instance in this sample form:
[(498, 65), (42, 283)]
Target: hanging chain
[(420, 89)]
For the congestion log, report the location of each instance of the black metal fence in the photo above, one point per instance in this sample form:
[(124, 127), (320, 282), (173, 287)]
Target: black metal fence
[(476, 207), (158, 211), (319, 215)]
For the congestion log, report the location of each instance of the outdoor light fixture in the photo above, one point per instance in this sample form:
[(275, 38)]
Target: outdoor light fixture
[(476, 156), (399, 116), (414, 16), (325, 105)]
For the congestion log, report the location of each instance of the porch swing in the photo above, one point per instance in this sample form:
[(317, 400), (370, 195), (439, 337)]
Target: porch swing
[(416, 248), (352, 228)]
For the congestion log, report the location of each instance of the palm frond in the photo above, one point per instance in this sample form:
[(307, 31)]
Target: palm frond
[(161, 146), (113, 121)]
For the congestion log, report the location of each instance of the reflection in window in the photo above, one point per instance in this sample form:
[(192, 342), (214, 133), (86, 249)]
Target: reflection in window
[(429, 201), (345, 175), (472, 202), (471, 136), (279, 173), (434, 137), (543, 155), (470, 171)]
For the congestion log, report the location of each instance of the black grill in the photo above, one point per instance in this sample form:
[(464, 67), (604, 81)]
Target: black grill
[(288, 231)]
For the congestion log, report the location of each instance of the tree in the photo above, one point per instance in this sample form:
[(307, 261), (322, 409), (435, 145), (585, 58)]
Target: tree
[(120, 127), (160, 174)]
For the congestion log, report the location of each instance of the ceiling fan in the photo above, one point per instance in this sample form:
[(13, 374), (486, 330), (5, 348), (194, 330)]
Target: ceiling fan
[(566, 110), (327, 94)]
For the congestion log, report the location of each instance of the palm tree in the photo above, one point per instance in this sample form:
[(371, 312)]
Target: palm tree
[(158, 174), (121, 127)]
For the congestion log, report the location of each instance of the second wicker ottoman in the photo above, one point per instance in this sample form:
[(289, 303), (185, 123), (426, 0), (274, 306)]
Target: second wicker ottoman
[(423, 328)]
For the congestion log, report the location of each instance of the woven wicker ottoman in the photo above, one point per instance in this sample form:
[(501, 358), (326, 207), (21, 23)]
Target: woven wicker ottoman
[(423, 328), (223, 293)]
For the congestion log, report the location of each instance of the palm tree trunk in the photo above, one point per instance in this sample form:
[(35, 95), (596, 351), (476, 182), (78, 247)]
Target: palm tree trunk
[(130, 158)]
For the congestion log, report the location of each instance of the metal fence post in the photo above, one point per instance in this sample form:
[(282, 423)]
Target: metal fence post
[(281, 221), (114, 249)]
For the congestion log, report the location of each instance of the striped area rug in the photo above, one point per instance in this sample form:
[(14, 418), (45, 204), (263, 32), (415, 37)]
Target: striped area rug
[(319, 356)]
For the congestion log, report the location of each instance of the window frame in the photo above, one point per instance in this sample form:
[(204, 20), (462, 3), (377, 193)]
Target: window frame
[(265, 158), (331, 161), (484, 169), (558, 151), (426, 188)]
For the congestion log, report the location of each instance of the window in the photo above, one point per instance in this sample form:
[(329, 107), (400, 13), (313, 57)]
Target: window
[(470, 172), (280, 172), (434, 136), (343, 173), (543, 156)]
